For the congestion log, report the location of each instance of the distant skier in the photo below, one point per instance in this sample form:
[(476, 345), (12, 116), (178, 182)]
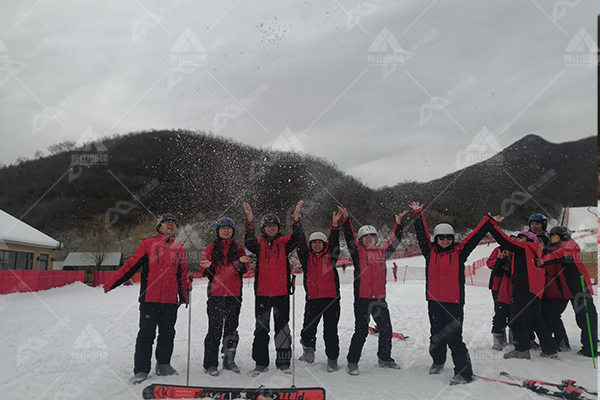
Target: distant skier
[(223, 262), (445, 291), (272, 286), (369, 289), (163, 287), (395, 272), (322, 285)]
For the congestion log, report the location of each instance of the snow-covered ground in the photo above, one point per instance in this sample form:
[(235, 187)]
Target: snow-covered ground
[(76, 342)]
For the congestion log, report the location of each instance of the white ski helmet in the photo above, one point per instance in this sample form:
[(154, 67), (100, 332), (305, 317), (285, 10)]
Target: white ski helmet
[(318, 236), (442, 229), (366, 230)]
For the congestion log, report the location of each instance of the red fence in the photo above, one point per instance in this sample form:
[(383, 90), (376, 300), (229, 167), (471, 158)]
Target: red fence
[(14, 281)]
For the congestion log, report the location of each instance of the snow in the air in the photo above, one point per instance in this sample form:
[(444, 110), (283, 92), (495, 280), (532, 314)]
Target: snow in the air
[(76, 342)]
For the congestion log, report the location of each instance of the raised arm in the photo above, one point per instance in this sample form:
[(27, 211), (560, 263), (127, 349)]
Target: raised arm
[(392, 244), (302, 247), (473, 238), (249, 236), (349, 235), (131, 266), (297, 231), (421, 228), (501, 237), (334, 238)]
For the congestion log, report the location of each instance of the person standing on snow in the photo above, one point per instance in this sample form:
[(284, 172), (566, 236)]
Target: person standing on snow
[(272, 286), (395, 272), (322, 286), (369, 289), (223, 262), (565, 253), (163, 287), (445, 291)]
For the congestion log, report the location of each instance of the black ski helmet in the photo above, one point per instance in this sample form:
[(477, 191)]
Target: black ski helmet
[(221, 222), (543, 236), (539, 218), (166, 218), (562, 231), (270, 219)]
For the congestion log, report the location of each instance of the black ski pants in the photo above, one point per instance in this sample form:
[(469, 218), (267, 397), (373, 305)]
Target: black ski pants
[(152, 315), (223, 320), (552, 310), (446, 321), (363, 309), (329, 309), (525, 313), (281, 316), (583, 305), (501, 317)]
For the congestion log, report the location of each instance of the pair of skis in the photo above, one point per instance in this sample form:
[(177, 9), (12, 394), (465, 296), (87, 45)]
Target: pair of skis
[(157, 391), (567, 389), (395, 335)]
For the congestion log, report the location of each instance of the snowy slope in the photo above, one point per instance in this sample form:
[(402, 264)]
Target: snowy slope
[(76, 342)]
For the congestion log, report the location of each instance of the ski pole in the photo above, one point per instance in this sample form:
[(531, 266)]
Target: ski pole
[(293, 330), (189, 330), (587, 317)]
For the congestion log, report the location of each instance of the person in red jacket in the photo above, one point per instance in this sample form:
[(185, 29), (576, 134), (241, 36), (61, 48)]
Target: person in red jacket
[(272, 287), (445, 291), (501, 319), (528, 287), (224, 263), (556, 296), (369, 289), (163, 287), (565, 253), (322, 286)]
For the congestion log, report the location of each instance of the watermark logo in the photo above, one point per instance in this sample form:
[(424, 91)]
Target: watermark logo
[(188, 50), (519, 198), (89, 345), (435, 104), (580, 44), (356, 14), (93, 153), (124, 207), (560, 8), (48, 114), (287, 147), (8, 66), (483, 146), (150, 21), (230, 113), (385, 52)]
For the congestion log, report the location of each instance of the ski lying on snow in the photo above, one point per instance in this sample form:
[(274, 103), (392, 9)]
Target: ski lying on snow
[(158, 391), (566, 384), (375, 331), (559, 391)]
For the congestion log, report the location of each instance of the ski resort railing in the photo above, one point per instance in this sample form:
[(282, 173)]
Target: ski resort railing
[(17, 281)]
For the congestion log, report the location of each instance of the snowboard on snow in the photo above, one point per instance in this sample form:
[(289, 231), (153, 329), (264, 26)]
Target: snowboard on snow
[(158, 391)]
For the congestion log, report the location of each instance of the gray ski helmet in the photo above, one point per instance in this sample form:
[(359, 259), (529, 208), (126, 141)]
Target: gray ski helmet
[(562, 231), (270, 219), (366, 230), (543, 236), (221, 222), (166, 218), (318, 236), (541, 218), (442, 229)]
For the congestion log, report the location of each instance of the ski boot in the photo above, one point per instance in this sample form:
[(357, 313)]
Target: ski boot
[(459, 380), (332, 365), (229, 361), (352, 369), (499, 341), (308, 355), (435, 369), (259, 369), (388, 364), (212, 371), (165, 370), (524, 355), (139, 378)]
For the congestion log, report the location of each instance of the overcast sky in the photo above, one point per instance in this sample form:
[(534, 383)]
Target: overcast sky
[(388, 90)]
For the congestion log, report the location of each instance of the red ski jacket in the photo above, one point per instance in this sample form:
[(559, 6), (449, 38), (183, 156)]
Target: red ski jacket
[(491, 262), (164, 271), (369, 262), (273, 267), (526, 276), (224, 279), (445, 268), (565, 255), (321, 279)]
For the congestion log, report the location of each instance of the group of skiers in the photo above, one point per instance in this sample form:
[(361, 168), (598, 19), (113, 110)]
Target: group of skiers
[(164, 286), (543, 292)]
